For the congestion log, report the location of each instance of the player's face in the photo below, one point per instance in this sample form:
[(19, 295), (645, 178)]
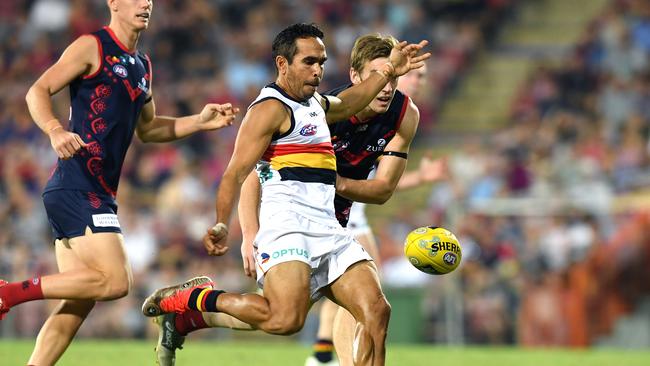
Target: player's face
[(305, 73), (411, 83), (382, 101), (135, 13)]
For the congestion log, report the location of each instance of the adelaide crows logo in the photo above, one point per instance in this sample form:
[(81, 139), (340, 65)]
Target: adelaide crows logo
[(309, 130)]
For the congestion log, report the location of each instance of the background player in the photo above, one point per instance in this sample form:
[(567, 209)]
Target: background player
[(111, 97), (389, 122), (301, 250)]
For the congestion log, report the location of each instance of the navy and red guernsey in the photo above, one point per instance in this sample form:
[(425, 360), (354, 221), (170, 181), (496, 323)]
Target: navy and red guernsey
[(105, 108), (358, 144)]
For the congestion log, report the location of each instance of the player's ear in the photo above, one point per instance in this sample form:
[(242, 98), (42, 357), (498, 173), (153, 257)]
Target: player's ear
[(112, 5), (355, 78), (282, 64)]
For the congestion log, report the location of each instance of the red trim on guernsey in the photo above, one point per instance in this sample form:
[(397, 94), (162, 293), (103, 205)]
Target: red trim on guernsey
[(407, 100), (286, 149), (117, 41), (150, 70), (354, 120), (101, 58)]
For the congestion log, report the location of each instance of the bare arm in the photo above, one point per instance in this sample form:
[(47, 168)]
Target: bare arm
[(153, 128), (254, 136), (357, 97), (379, 189), (429, 170), (81, 58), (402, 59), (249, 211)]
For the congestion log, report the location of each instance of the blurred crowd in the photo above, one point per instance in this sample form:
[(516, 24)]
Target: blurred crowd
[(548, 209), (208, 51), (552, 210)]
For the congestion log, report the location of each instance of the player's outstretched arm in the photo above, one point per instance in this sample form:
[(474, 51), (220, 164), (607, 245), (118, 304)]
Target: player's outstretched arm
[(260, 123), (81, 58), (429, 170), (403, 58), (249, 212), (153, 128), (390, 169)]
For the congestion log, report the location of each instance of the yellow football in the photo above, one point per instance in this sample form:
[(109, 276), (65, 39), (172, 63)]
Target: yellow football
[(433, 250)]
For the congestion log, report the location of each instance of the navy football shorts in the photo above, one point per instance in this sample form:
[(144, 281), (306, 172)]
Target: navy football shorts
[(71, 211)]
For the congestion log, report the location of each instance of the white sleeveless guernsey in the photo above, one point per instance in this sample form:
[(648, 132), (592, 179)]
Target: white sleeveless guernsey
[(298, 169)]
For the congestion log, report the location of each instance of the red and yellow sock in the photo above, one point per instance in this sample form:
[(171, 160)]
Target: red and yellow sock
[(323, 349), (204, 300)]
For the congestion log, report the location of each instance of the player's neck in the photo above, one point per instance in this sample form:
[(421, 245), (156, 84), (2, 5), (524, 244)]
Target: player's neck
[(127, 36), (284, 85)]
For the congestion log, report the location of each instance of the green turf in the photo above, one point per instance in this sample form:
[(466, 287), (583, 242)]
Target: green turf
[(123, 353)]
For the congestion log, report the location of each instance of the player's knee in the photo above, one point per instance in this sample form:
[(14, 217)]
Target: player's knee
[(377, 315), (286, 324), (116, 286)]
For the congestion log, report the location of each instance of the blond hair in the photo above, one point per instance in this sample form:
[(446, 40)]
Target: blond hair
[(369, 47)]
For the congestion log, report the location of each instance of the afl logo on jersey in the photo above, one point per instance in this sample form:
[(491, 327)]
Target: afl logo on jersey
[(308, 130), (120, 70)]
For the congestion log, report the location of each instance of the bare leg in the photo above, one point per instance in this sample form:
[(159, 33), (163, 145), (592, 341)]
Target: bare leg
[(283, 308), (100, 255), (221, 320), (326, 320), (323, 348), (344, 324), (105, 273), (343, 330), (358, 291)]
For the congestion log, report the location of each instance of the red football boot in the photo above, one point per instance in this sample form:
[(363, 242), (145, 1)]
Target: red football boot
[(173, 299)]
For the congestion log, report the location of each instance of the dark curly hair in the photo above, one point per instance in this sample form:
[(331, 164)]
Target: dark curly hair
[(284, 43)]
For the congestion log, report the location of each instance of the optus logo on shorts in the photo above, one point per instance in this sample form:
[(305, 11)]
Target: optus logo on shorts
[(290, 252)]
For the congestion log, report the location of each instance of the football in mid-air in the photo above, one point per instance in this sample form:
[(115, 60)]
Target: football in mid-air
[(433, 250)]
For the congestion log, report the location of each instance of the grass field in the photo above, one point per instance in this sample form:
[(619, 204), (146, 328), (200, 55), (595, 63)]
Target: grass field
[(123, 353)]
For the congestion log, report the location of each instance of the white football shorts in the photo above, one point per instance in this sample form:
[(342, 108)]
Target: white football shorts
[(327, 248)]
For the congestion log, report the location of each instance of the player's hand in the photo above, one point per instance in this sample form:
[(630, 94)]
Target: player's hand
[(404, 57), (432, 170), (248, 257), (65, 143), (215, 116), (215, 240)]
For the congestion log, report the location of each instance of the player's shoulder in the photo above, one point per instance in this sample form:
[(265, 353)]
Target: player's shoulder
[(85, 41), (411, 108), (82, 50), (269, 107), (411, 117)]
